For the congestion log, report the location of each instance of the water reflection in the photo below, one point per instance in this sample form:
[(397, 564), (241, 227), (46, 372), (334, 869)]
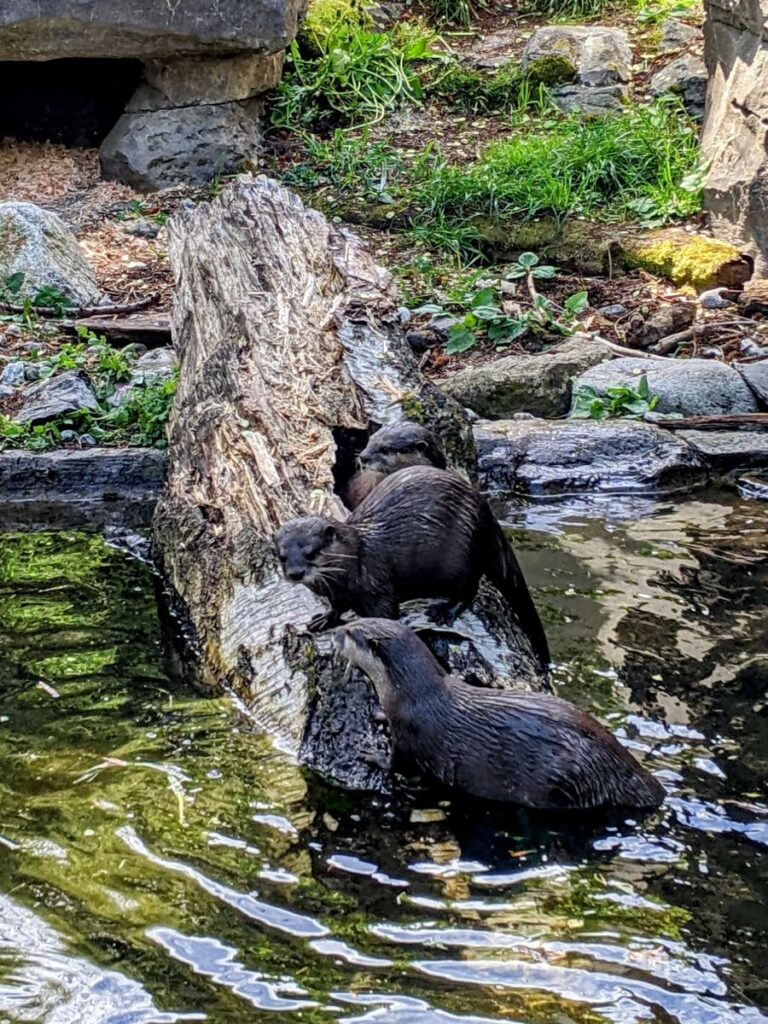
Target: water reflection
[(164, 864)]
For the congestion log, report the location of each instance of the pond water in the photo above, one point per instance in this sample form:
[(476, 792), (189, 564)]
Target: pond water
[(160, 863)]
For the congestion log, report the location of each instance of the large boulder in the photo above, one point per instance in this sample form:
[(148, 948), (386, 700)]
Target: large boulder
[(735, 135), (156, 149), (49, 29), (689, 387), (540, 384), (38, 244), (574, 456), (597, 59)]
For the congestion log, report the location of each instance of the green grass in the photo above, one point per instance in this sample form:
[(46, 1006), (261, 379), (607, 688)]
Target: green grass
[(507, 90), (639, 165), (452, 12), (352, 167), (356, 79), (568, 9)]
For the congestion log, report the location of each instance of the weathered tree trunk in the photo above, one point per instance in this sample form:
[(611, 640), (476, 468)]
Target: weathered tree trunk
[(286, 331)]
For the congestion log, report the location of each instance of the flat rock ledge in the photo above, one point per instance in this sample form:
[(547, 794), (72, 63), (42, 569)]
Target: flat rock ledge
[(541, 457), (84, 487)]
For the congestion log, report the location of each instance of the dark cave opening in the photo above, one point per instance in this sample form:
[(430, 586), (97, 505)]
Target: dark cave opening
[(75, 102)]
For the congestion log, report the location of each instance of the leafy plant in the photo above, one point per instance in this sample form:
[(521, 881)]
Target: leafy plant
[(358, 76), (622, 400), (485, 314), (454, 12), (352, 166), (139, 419), (505, 90)]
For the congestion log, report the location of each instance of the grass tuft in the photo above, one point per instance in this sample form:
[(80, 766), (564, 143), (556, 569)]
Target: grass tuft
[(641, 164)]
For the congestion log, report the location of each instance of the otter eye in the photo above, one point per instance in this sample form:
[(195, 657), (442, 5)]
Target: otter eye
[(281, 556)]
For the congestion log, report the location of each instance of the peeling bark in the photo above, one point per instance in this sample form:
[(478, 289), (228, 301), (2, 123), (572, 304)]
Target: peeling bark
[(286, 330)]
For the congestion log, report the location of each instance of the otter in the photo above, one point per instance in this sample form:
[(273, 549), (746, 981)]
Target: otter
[(534, 750), (392, 448), (421, 533)]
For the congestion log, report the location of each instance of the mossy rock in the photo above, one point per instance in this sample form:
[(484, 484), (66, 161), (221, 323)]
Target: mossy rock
[(685, 259), (324, 16), (582, 246), (553, 70)]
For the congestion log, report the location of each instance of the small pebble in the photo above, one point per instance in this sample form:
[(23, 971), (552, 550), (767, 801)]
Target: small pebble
[(33, 347), (142, 229), (87, 441), (13, 331), (68, 435), (613, 312), (442, 323), (31, 371), (13, 375), (6, 392), (750, 348), (404, 314), (716, 298)]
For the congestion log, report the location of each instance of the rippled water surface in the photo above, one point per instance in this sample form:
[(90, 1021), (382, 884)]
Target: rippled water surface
[(159, 863)]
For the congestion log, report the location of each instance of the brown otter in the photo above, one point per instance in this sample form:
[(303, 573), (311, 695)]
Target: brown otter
[(422, 532), (392, 448), (530, 749)]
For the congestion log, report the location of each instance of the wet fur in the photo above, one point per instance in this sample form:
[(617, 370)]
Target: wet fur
[(530, 749), (391, 449), (421, 533)]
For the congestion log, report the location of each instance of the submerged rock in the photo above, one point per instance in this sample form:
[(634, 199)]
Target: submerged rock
[(538, 384), (689, 387), (55, 397), (615, 457), (38, 244), (726, 450)]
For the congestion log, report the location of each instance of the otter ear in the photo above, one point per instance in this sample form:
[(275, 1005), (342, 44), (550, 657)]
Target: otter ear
[(421, 445), (329, 532)]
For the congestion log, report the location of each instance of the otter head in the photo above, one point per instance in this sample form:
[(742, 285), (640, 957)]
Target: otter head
[(303, 548), (392, 656), (399, 446)]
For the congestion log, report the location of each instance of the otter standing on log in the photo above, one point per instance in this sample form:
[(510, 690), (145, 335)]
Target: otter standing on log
[(392, 448), (529, 749), (421, 533)]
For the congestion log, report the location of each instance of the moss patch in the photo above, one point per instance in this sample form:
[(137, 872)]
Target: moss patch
[(551, 70), (688, 259)]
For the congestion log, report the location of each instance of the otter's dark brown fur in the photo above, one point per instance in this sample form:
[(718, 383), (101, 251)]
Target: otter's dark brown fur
[(421, 533), (390, 449), (530, 749)]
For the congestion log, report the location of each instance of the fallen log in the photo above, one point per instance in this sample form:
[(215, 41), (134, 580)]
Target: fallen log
[(736, 419), (55, 313), (290, 348)]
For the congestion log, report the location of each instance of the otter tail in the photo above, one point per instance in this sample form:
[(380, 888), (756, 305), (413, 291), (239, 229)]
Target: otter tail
[(504, 572)]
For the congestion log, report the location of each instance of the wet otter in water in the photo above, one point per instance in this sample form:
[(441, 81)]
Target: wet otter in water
[(530, 749), (392, 448), (421, 533)]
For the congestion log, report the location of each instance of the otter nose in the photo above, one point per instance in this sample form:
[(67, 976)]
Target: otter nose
[(294, 573)]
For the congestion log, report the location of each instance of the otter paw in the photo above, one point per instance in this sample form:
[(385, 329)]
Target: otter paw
[(322, 621), (376, 758), (445, 613)]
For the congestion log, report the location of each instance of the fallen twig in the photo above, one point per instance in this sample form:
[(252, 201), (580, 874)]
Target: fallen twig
[(80, 311), (736, 419), (621, 350)]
